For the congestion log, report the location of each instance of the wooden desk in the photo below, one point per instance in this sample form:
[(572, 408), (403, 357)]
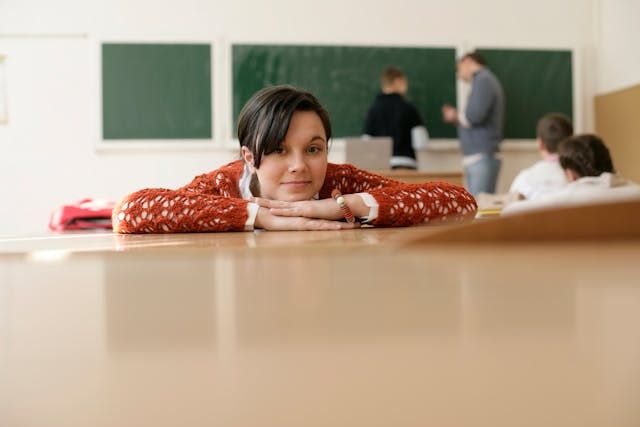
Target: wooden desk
[(413, 177), (316, 329), (75, 242)]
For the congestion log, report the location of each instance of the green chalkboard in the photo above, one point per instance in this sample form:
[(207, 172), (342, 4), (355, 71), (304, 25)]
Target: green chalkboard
[(156, 91), (535, 82), (346, 79)]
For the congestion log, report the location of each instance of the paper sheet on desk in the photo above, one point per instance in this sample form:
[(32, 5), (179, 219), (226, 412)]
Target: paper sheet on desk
[(490, 205)]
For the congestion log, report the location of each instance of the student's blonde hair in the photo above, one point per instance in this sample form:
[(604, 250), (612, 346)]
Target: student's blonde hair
[(390, 75)]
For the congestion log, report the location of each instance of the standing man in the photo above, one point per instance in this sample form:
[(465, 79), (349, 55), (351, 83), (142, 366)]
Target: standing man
[(480, 125)]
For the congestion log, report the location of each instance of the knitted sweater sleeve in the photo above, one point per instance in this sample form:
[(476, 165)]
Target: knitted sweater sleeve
[(401, 204), (211, 202)]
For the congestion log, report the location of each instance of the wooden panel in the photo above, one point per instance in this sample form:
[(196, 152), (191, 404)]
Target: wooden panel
[(609, 221), (618, 123)]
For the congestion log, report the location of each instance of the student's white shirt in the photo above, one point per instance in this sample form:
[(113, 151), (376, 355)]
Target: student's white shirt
[(605, 188), (544, 177), (419, 137)]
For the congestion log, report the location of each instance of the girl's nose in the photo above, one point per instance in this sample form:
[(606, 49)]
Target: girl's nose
[(297, 163)]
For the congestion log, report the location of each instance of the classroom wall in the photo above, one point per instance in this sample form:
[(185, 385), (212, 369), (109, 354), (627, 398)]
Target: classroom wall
[(617, 104), (617, 34), (47, 150)]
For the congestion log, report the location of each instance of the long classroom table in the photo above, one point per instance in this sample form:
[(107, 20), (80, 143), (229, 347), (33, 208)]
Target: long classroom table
[(316, 329)]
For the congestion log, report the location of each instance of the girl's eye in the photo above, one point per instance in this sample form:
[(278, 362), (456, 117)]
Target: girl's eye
[(278, 150), (314, 149)]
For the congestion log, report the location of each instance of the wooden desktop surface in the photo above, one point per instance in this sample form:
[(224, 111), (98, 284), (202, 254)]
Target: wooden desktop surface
[(316, 329)]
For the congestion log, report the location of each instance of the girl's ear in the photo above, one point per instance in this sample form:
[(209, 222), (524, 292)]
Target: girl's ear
[(571, 175), (247, 156)]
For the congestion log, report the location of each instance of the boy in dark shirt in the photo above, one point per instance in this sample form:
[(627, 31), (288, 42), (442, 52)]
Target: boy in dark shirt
[(392, 115)]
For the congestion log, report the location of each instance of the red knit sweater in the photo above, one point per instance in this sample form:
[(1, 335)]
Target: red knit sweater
[(212, 202)]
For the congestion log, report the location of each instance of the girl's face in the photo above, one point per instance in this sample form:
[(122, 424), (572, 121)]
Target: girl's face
[(295, 172)]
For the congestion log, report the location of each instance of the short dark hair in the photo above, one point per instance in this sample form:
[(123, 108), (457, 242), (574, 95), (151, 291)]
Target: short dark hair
[(553, 128), (391, 74), (264, 120), (585, 154), (475, 57)]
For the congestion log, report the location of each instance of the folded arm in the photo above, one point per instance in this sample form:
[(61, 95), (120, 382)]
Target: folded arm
[(401, 204), (175, 211)]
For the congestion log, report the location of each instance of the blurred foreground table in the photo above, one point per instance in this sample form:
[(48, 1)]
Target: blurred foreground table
[(316, 329)]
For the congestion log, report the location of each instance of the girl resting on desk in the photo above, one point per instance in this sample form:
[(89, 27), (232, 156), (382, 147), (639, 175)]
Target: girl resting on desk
[(284, 182)]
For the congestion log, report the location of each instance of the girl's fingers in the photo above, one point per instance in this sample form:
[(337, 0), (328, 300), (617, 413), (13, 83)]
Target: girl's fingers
[(350, 225), (266, 203), (285, 211), (322, 224), (318, 224)]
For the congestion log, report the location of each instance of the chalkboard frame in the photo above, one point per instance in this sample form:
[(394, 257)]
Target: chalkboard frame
[(224, 137), (134, 145), (449, 48), (439, 143), (527, 132)]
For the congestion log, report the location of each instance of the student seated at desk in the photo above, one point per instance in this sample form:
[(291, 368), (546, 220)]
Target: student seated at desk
[(588, 167), (284, 182), (546, 176)]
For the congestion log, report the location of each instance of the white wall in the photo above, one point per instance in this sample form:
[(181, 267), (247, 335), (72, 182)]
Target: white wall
[(618, 44), (47, 154)]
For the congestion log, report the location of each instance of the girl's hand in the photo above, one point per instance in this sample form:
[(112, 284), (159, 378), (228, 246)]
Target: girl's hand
[(320, 209), (268, 221)]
